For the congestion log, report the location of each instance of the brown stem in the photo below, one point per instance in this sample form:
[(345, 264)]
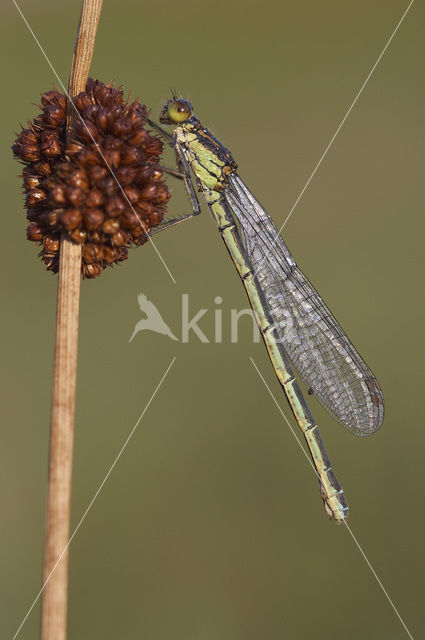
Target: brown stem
[(55, 568)]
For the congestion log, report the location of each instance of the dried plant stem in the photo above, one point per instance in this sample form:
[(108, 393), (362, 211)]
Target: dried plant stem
[(55, 568)]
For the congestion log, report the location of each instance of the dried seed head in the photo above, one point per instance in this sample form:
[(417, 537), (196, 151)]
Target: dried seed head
[(69, 187)]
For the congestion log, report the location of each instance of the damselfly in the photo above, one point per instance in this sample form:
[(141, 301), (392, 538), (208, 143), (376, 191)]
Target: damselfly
[(293, 320)]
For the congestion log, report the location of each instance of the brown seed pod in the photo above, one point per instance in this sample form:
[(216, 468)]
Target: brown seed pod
[(109, 254), (31, 182), (51, 243), (92, 270), (93, 218), (34, 232), (78, 236), (35, 197), (103, 188), (71, 219)]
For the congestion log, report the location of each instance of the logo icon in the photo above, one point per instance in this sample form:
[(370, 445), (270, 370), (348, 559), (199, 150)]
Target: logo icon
[(153, 322)]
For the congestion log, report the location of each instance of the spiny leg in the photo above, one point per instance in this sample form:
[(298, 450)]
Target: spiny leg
[(167, 136), (171, 172), (185, 174), (182, 164)]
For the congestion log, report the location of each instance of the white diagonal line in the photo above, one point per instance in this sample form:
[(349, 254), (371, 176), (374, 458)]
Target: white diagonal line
[(378, 580), (338, 130), (345, 522), (117, 457), (89, 132)]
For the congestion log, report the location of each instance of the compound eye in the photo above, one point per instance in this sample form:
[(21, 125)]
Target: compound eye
[(179, 111)]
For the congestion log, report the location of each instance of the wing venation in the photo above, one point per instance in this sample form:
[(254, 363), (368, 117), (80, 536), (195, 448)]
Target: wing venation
[(314, 341)]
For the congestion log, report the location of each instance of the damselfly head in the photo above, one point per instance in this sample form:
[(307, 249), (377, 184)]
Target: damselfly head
[(176, 112)]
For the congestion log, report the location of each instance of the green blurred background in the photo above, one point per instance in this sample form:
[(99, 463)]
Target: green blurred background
[(210, 525)]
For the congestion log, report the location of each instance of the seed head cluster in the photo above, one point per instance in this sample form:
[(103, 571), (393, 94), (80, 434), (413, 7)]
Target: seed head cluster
[(103, 188)]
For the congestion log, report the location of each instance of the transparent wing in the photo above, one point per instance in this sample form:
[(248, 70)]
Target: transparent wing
[(316, 344)]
